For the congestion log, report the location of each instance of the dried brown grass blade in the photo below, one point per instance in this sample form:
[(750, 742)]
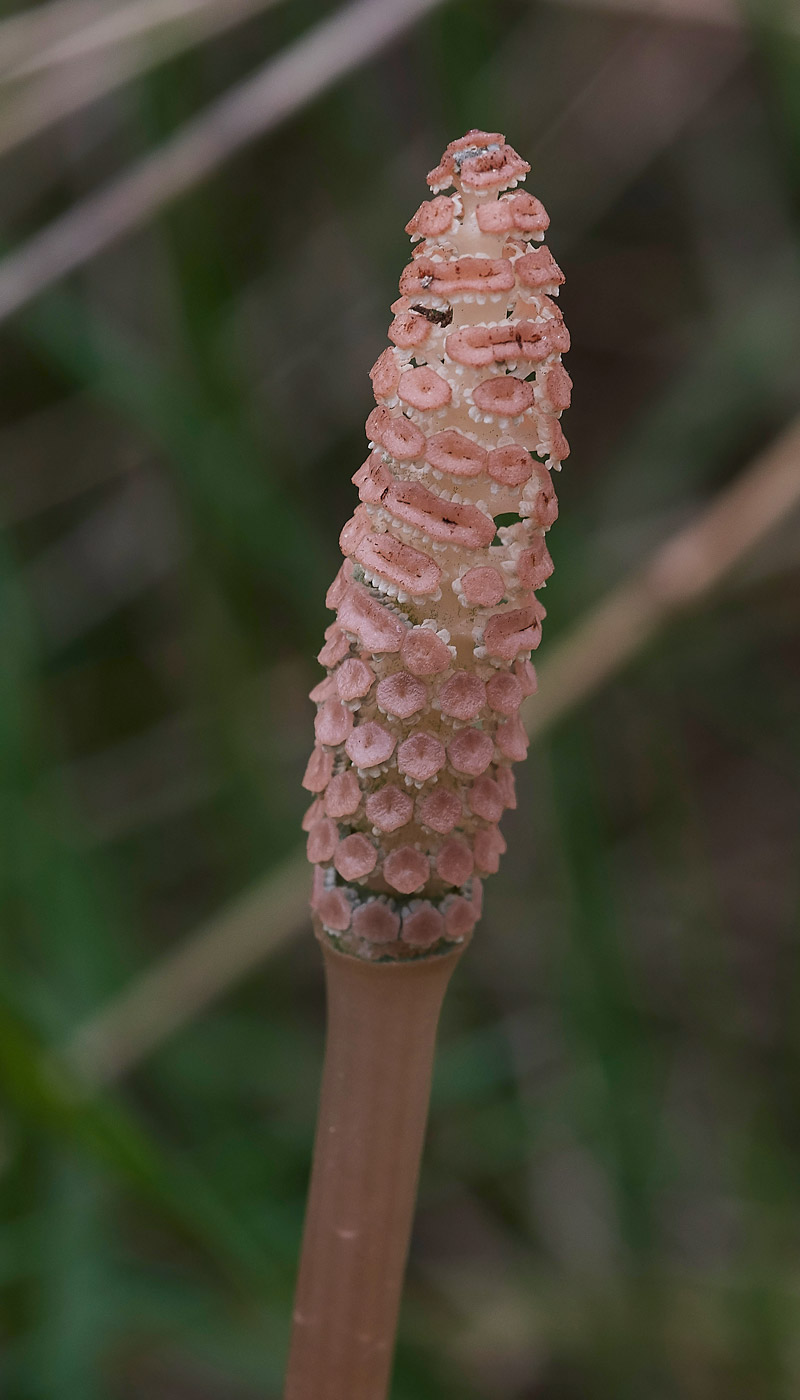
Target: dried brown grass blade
[(176, 988), (24, 34), (137, 22), (683, 570), (94, 59), (283, 86), (680, 573)]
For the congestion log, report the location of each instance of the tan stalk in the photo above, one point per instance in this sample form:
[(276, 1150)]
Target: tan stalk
[(418, 718), (382, 1020)]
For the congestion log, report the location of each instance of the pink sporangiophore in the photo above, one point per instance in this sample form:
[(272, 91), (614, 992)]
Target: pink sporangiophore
[(436, 608), (418, 719)]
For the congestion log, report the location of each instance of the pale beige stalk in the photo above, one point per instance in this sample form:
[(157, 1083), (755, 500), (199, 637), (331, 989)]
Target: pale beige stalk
[(428, 662), (382, 1021)]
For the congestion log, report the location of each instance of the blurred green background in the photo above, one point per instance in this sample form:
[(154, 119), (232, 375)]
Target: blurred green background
[(609, 1202)]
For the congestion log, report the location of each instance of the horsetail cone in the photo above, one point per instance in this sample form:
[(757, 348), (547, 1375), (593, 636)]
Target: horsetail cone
[(428, 659)]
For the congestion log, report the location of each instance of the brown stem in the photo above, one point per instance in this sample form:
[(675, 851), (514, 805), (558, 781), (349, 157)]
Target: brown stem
[(382, 1020)]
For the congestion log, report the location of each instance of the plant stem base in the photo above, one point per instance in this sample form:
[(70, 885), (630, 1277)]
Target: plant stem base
[(382, 1020)]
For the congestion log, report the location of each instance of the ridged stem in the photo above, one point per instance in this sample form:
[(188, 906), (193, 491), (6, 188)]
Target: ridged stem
[(382, 1020)]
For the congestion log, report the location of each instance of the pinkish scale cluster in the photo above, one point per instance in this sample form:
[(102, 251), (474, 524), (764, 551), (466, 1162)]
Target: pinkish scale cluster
[(429, 657)]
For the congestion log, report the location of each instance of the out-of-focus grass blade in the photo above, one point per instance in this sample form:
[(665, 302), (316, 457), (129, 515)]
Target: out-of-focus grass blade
[(741, 370), (48, 894), (64, 1353), (775, 26), (238, 510), (243, 527), (473, 1067), (91, 59), (47, 1097), (601, 987)]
